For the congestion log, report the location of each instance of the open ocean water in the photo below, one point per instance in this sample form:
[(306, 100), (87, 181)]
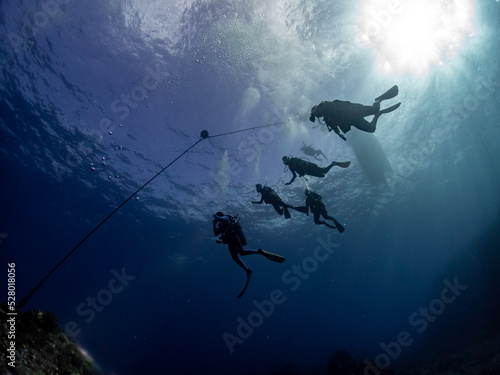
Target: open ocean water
[(97, 97)]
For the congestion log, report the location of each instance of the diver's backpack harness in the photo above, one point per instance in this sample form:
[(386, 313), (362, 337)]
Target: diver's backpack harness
[(233, 229)]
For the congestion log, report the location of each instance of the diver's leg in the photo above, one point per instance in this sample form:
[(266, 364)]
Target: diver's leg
[(236, 247), (339, 226), (325, 170), (365, 110), (327, 217), (320, 222), (366, 126), (240, 263), (278, 209), (328, 225), (317, 221), (316, 171), (243, 252), (285, 205), (234, 250)]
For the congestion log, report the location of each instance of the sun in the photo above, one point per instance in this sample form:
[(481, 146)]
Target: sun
[(411, 36)]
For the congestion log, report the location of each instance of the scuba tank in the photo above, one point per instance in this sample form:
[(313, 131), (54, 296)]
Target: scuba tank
[(233, 229), (236, 230)]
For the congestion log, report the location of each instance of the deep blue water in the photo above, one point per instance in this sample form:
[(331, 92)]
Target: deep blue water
[(98, 97)]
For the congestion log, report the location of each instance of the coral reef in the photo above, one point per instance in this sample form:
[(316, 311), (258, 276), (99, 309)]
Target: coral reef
[(35, 344)]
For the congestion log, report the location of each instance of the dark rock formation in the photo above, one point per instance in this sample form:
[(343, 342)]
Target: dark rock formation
[(32, 343)]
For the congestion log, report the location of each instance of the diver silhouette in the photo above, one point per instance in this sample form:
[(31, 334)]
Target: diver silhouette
[(269, 196), (340, 115), (303, 167), (310, 151), (231, 234), (313, 202)]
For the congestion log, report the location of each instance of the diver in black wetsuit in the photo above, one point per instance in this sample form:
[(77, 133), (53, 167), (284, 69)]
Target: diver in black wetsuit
[(269, 196), (232, 235), (340, 115), (302, 167), (313, 202), (311, 151)]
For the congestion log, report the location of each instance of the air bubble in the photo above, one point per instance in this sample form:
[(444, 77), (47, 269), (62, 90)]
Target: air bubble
[(110, 133), (92, 169)]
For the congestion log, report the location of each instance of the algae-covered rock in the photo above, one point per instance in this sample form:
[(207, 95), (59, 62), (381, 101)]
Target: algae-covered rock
[(33, 344)]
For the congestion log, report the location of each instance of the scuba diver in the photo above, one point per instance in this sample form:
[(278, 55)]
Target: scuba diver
[(269, 196), (310, 151), (231, 234), (340, 115), (303, 167), (313, 202)]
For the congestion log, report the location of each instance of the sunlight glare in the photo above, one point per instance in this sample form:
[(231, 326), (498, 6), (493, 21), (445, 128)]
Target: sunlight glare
[(410, 36)]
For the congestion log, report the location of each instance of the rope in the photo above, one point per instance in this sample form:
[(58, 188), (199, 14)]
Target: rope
[(244, 130), (204, 135)]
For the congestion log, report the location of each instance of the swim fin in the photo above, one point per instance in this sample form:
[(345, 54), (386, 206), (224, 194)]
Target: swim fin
[(271, 256), (387, 110), (391, 93), (302, 209), (339, 226), (341, 164), (249, 274), (286, 213)]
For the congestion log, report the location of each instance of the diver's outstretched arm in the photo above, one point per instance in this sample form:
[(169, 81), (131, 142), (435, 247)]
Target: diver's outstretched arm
[(293, 178), (261, 200)]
